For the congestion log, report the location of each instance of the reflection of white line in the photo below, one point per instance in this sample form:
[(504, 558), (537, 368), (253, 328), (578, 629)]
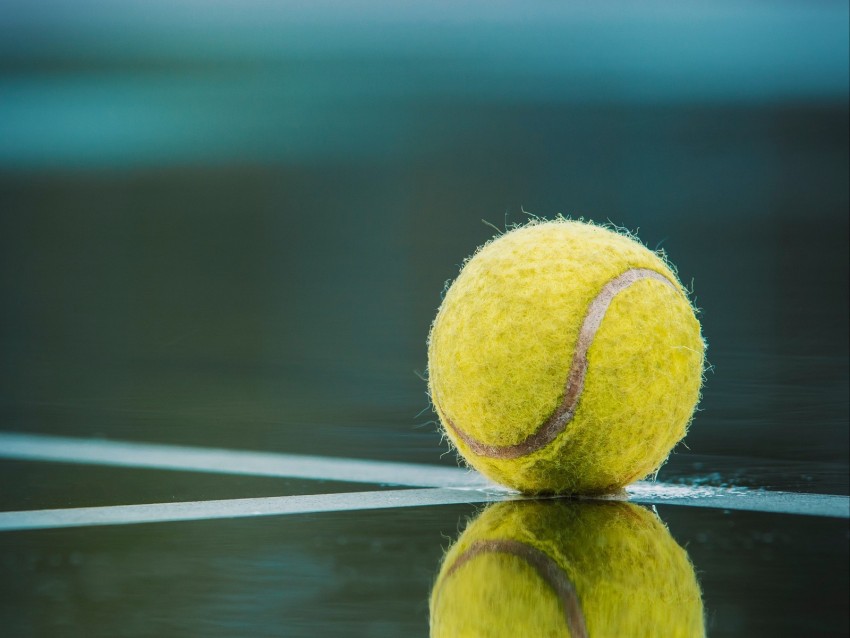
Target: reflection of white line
[(193, 459), (239, 508)]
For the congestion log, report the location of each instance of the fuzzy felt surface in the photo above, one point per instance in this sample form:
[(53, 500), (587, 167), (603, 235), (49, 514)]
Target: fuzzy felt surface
[(622, 572), (501, 351)]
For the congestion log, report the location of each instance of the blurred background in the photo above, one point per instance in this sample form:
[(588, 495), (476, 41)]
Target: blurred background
[(230, 223)]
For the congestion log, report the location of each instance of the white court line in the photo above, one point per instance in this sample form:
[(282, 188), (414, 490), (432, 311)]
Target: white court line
[(739, 499), (460, 487), (33, 447), (646, 493), (238, 508)]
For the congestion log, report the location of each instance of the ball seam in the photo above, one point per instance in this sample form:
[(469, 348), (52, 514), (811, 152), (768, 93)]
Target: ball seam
[(566, 409), (545, 567)]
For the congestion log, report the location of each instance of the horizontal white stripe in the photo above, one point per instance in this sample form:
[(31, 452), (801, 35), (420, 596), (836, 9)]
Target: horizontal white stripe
[(646, 493), (447, 485), (740, 499), (193, 459), (238, 508)]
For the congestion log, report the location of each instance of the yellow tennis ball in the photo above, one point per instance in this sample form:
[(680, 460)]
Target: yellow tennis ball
[(566, 568), (565, 358)]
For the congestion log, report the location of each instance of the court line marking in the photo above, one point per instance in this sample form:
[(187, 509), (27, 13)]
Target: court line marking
[(645, 493), (38, 447), (738, 499), (235, 508), (460, 486)]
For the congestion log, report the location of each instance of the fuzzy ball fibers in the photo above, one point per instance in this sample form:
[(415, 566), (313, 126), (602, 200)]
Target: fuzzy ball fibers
[(565, 358), (566, 568)]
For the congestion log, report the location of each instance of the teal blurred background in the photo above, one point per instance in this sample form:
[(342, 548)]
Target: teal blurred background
[(229, 224)]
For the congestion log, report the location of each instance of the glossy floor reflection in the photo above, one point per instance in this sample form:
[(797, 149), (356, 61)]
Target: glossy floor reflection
[(371, 573), (561, 568)]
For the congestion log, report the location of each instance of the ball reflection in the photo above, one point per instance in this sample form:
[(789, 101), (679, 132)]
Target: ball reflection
[(566, 568)]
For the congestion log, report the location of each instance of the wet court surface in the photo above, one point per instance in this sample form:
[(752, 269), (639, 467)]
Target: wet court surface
[(223, 241), (349, 558)]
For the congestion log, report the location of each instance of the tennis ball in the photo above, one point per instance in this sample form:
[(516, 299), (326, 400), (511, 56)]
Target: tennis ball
[(566, 568), (565, 358)]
